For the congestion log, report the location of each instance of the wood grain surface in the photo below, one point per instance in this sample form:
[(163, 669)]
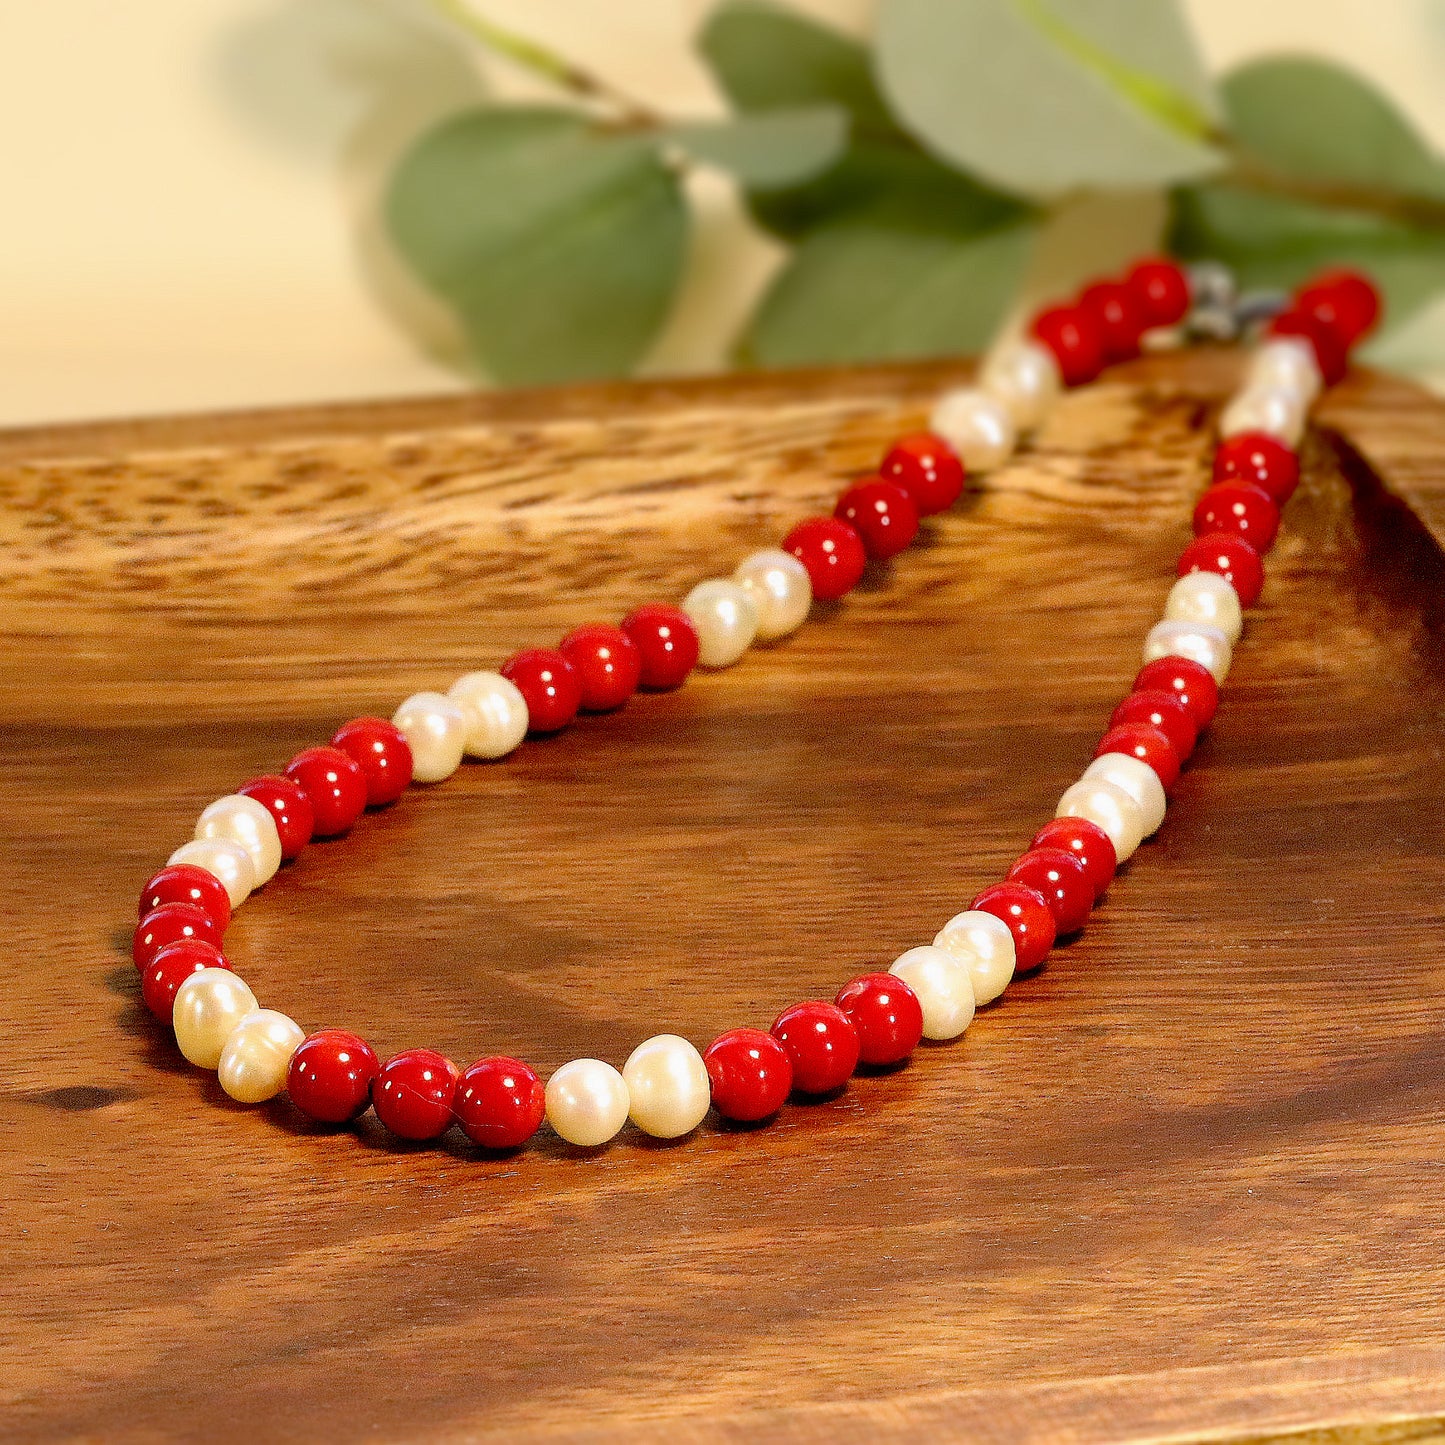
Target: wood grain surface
[(1184, 1183)]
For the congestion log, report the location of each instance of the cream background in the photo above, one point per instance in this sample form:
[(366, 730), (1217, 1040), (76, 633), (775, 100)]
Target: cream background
[(188, 184)]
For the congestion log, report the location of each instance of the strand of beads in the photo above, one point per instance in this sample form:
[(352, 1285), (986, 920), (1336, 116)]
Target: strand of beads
[(667, 1086)]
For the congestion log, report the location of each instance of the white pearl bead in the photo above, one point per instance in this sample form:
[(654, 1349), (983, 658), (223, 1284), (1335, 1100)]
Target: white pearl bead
[(1110, 807), (726, 618), (944, 985), (587, 1102), (496, 713), (780, 588), (1024, 376), (977, 425), (1289, 363), (983, 943), (239, 819), (1206, 597), (1198, 641), (224, 860), (1270, 409), (209, 1004), (436, 729), (1137, 779), (668, 1089), (253, 1063)]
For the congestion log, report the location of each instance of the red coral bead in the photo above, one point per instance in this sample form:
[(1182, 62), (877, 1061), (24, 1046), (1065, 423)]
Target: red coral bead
[(666, 641), (170, 968), (1231, 557), (1344, 299), (1076, 340), (1331, 354), (1059, 878), (822, 1044), (330, 1076), (1150, 745), (1087, 842), (1261, 460), (414, 1093), (927, 468), (1241, 508), (335, 786), (1121, 319), (382, 753), (607, 663), (750, 1072), (886, 1014), (500, 1102), (1161, 290), (548, 683), (1029, 919), (185, 883), (882, 514), (1162, 710), (170, 923), (1191, 682), (831, 551), (288, 805)]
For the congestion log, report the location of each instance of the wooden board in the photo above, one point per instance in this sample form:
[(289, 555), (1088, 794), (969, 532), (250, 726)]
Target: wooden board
[(1184, 1183)]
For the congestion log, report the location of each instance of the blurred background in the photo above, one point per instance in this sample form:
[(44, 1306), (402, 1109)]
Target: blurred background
[(193, 214)]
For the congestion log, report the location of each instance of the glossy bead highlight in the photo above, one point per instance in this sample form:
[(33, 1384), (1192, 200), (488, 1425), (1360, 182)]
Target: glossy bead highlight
[(1161, 290), (257, 1053), (381, 751), (170, 968), (207, 1007), (1074, 338), (927, 468), (832, 552), (1087, 842), (168, 924), (185, 883), (1059, 879), (726, 620), (882, 514), (943, 984), (886, 1014), (1029, 919), (1136, 778), (1113, 811), (500, 1102), (334, 785), (780, 588), (414, 1092), (1191, 682), (668, 1090), (607, 663), (977, 425), (330, 1075), (1261, 460), (1232, 557), (751, 1074), (821, 1043), (1162, 710), (984, 944), (228, 862), (587, 1102), (1206, 597), (495, 711), (667, 642), (289, 807), (549, 684)]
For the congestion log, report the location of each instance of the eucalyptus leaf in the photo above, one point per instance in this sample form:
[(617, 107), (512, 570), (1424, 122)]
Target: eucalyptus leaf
[(559, 245), (769, 149), (1042, 96)]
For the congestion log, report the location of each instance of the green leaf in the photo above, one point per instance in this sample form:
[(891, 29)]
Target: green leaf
[(559, 245), (872, 287), (771, 148), (1041, 96)]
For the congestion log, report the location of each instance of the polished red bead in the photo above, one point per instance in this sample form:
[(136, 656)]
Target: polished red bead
[(1087, 842), (607, 663), (1344, 299), (330, 1076), (1191, 682), (1331, 353), (1231, 557), (822, 1044), (185, 883), (334, 785), (1162, 710), (886, 1014), (1120, 318), (1260, 460), (1241, 508), (500, 1102), (1161, 290), (831, 551), (1029, 919), (1076, 341), (288, 805), (548, 683), (882, 514), (414, 1093), (1149, 744), (171, 967), (927, 468), (750, 1072), (666, 641), (382, 753), (170, 923), (1059, 878)]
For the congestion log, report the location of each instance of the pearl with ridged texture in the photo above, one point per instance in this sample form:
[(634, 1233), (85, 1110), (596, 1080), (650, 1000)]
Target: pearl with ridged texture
[(780, 588), (496, 713), (1137, 779), (668, 1089), (239, 819), (1274, 410), (726, 618), (1106, 804), (222, 859), (253, 1063), (209, 1004), (1200, 642), (983, 943), (435, 728), (1287, 362), (1024, 376), (944, 985), (1209, 598), (977, 425), (587, 1102)]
